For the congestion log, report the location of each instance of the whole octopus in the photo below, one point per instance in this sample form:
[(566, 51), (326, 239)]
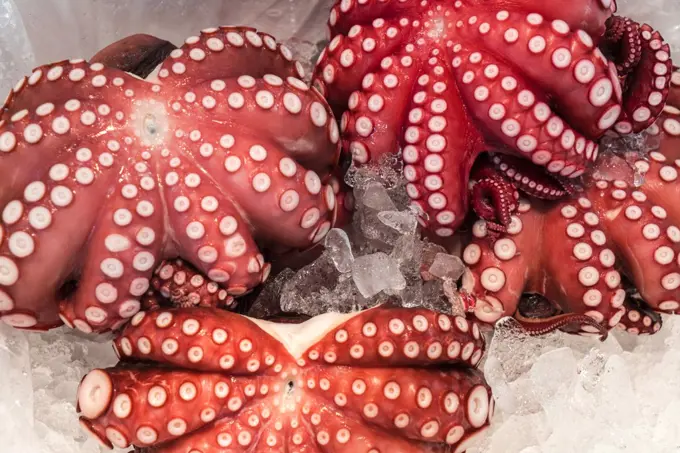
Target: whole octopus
[(144, 190), (385, 379), (444, 81), (221, 150)]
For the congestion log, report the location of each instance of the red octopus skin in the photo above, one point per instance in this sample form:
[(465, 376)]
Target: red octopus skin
[(103, 175), (444, 80), (380, 380), (575, 250)]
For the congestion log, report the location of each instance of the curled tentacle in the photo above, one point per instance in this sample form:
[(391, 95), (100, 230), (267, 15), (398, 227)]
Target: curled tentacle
[(498, 211), (532, 179), (564, 321), (623, 35)]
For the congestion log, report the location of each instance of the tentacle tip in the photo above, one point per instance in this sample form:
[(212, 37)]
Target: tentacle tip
[(95, 393)]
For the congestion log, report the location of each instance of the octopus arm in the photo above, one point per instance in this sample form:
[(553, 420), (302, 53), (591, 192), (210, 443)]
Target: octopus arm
[(210, 231), (499, 272), (417, 404), (202, 339), (438, 150), (589, 15), (645, 235), (228, 52), (120, 257), (648, 86), (184, 286), (346, 13), (144, 407), (580, 264), (583, 88), (398, 338), (371, 127), (346, 60)]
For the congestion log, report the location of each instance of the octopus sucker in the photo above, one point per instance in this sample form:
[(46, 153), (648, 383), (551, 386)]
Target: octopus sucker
[(609, 253), (534, 84), (362, 381), (191, 162)]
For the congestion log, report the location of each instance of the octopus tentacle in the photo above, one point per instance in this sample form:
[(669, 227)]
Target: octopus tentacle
[(145, 406), (530, 179), (646, 88), (228, 52), (547, 325), (502, 202), (210, 231), (371, 130), (650, 251), (121, 257), (228, 346), (330, 379), (184, 286), (350, 51), (624, 33), (436, 179), (583, 95)]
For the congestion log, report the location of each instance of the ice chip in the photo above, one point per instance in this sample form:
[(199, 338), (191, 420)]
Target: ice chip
[(404, 222), (339, 249), (374, 196), (375, 273), (447, 267)]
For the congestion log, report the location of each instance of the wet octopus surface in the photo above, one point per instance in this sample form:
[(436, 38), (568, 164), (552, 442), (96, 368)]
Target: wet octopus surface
[(612, 253), (220, 151), (381, 380), (439, 82)]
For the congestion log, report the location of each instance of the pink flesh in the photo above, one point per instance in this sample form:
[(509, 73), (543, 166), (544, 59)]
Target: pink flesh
[(325, 390), (182, 166)]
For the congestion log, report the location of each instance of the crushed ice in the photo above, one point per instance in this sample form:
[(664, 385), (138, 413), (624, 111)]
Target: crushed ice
[(379, 258), (563, 393)]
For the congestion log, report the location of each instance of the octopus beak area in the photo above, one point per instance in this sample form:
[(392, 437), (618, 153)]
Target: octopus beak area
[(94, 394)]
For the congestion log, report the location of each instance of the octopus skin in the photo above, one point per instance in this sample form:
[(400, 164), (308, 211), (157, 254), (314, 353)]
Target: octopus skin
[(441, 81), (206, 381), (219, 153), (612, 253)]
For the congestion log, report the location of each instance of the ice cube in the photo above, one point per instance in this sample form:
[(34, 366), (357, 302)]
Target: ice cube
[(403, 222), (374, 196), (375, 273), (339, 249), (447, 267)]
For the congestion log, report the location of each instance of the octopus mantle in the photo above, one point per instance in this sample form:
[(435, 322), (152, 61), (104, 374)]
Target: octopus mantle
[(103, 175), (382, 380), (442, 81)]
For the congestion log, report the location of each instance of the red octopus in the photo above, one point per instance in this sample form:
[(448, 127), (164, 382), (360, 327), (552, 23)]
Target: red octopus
[(441, 81), (607, 258), (205, 381), (221, 150)]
